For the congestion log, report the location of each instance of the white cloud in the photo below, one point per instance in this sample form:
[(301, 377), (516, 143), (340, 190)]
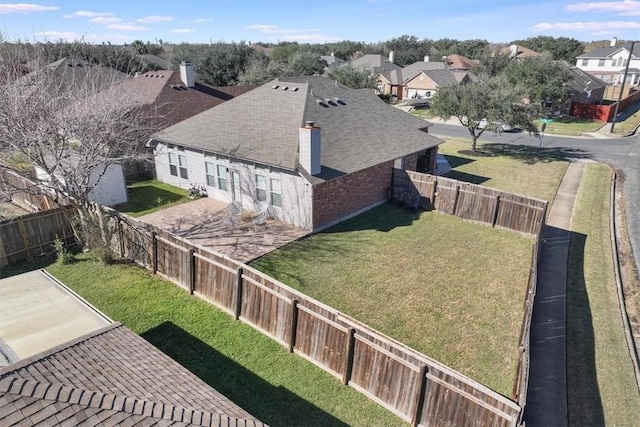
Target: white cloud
[(625, 7), (201, 20), (105, 20), (587, 26), (155, 18), (126, 27), (68, 36), (264, 28), (183, 30), (288, 34), (8, 8), (87, 14)]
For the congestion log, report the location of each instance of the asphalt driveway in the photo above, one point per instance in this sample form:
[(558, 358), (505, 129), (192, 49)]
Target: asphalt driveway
[(209, 223)]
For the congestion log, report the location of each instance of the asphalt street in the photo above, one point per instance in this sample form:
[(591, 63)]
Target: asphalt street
[(621, 153)]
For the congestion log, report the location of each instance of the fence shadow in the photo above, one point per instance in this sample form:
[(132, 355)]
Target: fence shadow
[(456, 161), (466, 177), (530, 154), (271, 404), (384, 218), (584, 404)]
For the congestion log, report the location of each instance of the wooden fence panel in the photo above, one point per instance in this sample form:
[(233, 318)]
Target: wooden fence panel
[(446, 195), (215, 281), (136, 241), (173, 262), (477, 203), (386, 378), (520, 213), (33, 234), (322, 340)]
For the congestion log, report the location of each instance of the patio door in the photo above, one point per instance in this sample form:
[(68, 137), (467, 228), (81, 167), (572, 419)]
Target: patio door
[(236, 193)]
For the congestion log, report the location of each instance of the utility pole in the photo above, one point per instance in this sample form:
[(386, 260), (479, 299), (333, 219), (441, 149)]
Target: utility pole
[(624, 79)]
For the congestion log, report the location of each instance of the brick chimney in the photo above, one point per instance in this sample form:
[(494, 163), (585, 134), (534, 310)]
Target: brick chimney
[(186, 74), (391, 56), (309, 148)]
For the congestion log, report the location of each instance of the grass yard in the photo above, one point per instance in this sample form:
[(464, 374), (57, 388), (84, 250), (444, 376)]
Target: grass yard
[(600, 381), (571, 126), (627, 125), (517, 169), (146, 197), (251, 369), (423, 113), (451, 289)]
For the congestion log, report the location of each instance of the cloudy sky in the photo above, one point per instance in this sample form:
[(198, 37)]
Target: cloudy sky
[(316, 21)]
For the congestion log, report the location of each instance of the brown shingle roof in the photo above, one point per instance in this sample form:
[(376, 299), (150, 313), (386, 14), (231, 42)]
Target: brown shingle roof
[(111, 376), (460, 62)]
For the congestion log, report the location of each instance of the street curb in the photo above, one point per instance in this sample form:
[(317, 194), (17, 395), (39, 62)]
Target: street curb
[(633, 351)]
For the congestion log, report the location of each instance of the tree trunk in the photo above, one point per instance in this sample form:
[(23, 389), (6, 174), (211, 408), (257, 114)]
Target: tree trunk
[(474, 138)]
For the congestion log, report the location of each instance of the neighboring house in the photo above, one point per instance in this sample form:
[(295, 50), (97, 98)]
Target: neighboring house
[(459, 62), (310, 150), (426, 83), (111, 377), (332, 60), (517, 51), (585, 88), (608, 63), (383, 70)]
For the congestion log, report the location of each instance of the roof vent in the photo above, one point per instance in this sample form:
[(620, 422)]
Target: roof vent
[(331, 102), (339, 101), (321, 103), (309, 123), (275, 87), (294, 89), (283, 88)]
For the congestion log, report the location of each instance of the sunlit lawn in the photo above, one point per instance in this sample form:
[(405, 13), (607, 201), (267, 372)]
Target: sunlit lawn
[(146, 197), (570, 126), (449, 288)]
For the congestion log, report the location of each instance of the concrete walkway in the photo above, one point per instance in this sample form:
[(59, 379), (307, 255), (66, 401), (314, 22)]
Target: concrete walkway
[(547, 395)]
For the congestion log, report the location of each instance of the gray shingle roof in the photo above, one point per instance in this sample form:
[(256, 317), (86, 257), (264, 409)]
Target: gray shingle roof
[(376, 64), (358, 130), (113, 377), (605, 52), (582, 81), (412, 70)]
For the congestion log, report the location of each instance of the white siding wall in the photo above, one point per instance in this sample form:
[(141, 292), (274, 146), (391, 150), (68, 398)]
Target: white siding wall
[(295, 190), (608, 67)]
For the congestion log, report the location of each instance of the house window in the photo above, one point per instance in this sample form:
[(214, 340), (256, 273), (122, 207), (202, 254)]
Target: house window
[(624, 62), (601, 63), (210, 172), (276, 192), (261, 187), (585, 62), (620, 62), (173, 165), (222, 177), (182, 162)]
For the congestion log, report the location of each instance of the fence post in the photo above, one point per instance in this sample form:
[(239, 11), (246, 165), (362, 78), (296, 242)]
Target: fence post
[(348, 364), (455, 201), (154, 253), (25, 241), (495, 213), (192, 271), (239, 294), (120, 237), (294, 324), (417, 412), (433, 194)]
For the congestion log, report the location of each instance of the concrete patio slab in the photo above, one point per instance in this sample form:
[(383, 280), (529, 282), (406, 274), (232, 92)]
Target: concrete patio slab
[(37, 313), (209, 223)]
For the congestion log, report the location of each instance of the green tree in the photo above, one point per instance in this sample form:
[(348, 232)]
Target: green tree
[(284, 51), (544, 83), (561, 48), (492, 65), (139, 47), (472, 49), (488, 99), (354, 78), (305, 64), (217, 64)]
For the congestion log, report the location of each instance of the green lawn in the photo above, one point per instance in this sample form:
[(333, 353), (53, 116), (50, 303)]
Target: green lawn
[(146, 197), (570, 126), (451, 289), (423, 113), (277, 387), (600, 380), (628, 125), (519, 169)]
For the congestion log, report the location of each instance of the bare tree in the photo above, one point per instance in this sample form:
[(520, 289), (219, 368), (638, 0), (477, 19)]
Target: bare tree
[(71, 127)]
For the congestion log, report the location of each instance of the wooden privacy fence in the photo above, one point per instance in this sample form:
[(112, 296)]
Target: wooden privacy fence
[(413, 386), (471, 202), (24, 192), (26, 236)]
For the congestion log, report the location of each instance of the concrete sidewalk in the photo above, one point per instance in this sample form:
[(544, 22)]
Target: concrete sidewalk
[(547, 395)]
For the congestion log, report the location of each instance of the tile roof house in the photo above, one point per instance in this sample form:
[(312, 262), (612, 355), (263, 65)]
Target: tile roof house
[(309, 150), (459, 62), (110, 377), (517, 51), (608, 63)]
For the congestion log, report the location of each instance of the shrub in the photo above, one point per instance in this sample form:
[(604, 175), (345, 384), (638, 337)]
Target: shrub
[(63, 257)]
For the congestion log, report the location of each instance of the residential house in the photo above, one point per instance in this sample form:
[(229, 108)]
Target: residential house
[(609, 63), (308, 150), (585, 88), (459, 62), (383, 70), (332, 60), (517, 51), (111, 377), (426, 83)]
